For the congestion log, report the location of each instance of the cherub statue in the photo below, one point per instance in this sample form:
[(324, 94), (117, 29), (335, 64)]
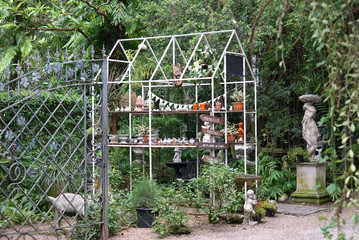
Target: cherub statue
[(249, 204), (206, 136)]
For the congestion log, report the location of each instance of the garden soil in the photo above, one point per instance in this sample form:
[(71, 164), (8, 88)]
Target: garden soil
[(281, 226)]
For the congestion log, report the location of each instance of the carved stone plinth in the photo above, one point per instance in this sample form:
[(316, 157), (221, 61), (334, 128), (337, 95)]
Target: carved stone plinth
[(309, 176)]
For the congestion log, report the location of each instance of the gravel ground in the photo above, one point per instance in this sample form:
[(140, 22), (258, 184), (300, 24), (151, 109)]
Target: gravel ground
[(278, 227)]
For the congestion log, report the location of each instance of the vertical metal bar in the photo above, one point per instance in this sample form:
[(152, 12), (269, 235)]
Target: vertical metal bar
[(130, 120), (225, 107), (104, 125), (255, 130), (85, 150), (245, 122), (196, 97)]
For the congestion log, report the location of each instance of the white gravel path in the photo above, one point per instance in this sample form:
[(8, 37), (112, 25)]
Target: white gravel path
[(278, 227)]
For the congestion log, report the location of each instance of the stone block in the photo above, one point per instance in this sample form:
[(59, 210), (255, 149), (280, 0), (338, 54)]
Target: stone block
[(309, 175)]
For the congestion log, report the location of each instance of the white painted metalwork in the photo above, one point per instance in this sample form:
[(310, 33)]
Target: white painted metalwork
[(230, 46)]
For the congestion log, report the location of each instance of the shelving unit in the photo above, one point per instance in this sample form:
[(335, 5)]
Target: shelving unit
[(184, 50)]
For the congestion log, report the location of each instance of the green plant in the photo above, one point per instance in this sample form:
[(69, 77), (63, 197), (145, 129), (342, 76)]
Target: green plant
[(293, 152), (216, 181), (237, 96), (275, 181), (144, 129), (231, 129), (259, 211), (170, 208), (145, 192)]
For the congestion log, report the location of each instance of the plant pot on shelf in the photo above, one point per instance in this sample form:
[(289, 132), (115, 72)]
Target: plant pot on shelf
[(231, 137), (123, 138), (145, 138), (204, 106), (195, 106), (218, 105), (237, 105)]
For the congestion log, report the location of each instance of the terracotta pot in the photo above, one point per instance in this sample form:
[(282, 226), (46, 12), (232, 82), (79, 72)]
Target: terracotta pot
[(218, 105), (145, 139), (203, 106), (237, 105), (195, 106), (231, 137)]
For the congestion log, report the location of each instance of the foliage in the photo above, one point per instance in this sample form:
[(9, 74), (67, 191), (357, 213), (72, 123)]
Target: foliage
[(121, 212), (237, 96), (144, 194), (259, 211), (231, 129), (18, 210), (336, 35), (170, 208), (293, 152), (275, 181), (217, 180)]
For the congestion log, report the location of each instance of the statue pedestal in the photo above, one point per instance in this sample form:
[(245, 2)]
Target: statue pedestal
[(309, 175)]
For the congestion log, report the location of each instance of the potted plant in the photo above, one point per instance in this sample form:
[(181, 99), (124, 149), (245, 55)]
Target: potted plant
[(237, 97), (231, 132), (195, 106), (297, 155), (270, 207), (144, 130), (144, 195), (260, 213)]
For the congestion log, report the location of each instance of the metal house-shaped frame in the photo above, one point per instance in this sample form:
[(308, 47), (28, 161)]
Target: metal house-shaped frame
[(230, 69)]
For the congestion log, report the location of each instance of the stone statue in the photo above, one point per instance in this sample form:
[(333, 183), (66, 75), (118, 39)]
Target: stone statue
[(178, 154), (249, 204), (310, 131), (68, 203), (206, 136)]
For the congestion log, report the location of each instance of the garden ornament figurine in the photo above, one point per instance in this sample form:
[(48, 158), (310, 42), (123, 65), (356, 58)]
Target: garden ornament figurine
[(310, 131), (67, 203), (249, 204), (241, 131), (178, 154), (206, 136)]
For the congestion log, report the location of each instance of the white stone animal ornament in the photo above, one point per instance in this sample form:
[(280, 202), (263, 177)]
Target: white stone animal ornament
[(249, 204), (69, 204)]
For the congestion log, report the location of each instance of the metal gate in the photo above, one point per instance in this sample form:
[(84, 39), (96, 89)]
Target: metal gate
[(53, 149)]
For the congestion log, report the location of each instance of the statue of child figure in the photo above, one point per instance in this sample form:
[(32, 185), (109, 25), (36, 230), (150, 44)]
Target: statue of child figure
[(250, 202)]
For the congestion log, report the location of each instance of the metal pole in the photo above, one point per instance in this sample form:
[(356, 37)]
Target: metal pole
[(104, 227)]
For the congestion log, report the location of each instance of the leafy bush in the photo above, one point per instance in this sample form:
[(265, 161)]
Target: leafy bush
[(217, 180), (274, 180), (145, 192), (170, 208)]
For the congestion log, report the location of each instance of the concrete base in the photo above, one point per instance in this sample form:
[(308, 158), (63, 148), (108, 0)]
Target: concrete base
[(309, 176)]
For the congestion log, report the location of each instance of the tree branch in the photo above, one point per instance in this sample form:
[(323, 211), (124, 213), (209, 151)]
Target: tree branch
[(250, 38), (66, 30)]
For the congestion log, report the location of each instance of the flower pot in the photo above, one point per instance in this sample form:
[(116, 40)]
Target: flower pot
[(237, 105), (145, 217), (231, 138), (203, 106), (270, 212), (300, 158), (257, 218), (195, 106), (123, 138), (218, 105), (145, 139)]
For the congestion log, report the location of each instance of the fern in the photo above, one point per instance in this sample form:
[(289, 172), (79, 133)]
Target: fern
[(26, 47), (9, 56)]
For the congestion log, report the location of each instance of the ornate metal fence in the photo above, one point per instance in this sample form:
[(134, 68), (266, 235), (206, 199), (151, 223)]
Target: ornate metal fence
[(53, 149)]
